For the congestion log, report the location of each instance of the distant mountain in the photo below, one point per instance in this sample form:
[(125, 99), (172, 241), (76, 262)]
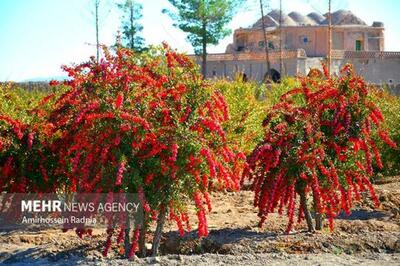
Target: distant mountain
[(45, 79)]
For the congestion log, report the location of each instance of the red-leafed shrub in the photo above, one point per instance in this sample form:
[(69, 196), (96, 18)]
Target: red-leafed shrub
[(24, 167), (317, 141), (146, 124)]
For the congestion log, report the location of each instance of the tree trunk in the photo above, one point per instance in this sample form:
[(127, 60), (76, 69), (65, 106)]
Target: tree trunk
[(307, 214), (204, 51), (127, 243), (97, 3), (265, 41), (142, 239), (157, 234), (319, 219), (131, 32), (280, 40), (329, 37)]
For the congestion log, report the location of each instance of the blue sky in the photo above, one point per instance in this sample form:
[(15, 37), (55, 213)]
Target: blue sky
[(38, 36)]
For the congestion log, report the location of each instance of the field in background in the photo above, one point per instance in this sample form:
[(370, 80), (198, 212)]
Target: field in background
[(366, 236), (248, 103)]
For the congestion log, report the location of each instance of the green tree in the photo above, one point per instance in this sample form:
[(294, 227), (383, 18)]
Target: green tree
[(205, 21), (131, 28)]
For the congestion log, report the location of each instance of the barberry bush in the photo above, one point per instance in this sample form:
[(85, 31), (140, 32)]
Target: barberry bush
[(24, 162), (24, 167), (146, 124), (318, 142)]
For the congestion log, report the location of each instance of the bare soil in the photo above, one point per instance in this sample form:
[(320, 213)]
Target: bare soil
[(368, 236)]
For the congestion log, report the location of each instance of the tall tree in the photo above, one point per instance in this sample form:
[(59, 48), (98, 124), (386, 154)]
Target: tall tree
[(265, 39), (96, 13), (131, 28), (329, 37), (205, 21)]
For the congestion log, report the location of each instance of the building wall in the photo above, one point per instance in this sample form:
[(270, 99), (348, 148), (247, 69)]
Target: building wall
[(338, 40), (316, 62), (373, 70), (301, 38), (254, 69), (321, 45), (313, 39), (378, 70)]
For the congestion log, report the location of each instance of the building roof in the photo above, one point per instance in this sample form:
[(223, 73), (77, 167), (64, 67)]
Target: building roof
[(344, 17), (268, 21), (272, 20), (316, 17), (340, 17), (286, 20), (302, 20)]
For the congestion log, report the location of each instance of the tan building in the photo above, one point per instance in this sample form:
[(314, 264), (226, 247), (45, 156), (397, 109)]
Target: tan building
[(310, 33), (305, 45)]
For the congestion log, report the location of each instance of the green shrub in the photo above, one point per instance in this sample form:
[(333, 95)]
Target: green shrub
[(245, 110), (390, 107), (17, 103)]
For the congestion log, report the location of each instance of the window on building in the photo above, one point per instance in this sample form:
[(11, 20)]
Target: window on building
[(261, 44), (358, 45), (271, 45), (304, 40), (241, 42)]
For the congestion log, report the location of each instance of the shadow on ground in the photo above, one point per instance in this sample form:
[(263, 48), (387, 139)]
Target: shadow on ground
[(364, 215)]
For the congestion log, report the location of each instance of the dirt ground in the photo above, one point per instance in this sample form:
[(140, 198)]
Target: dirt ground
[(368, 236)]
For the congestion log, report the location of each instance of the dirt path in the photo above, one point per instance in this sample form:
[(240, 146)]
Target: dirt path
[(244, 259), (367, 237)]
